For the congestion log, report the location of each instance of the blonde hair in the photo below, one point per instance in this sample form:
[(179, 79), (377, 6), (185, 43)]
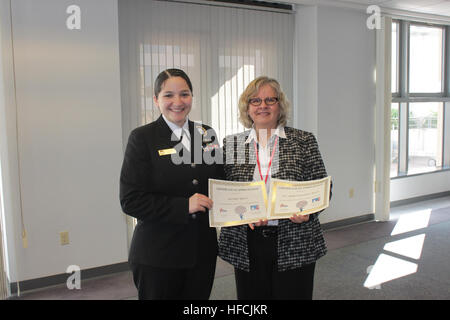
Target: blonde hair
[(251, 90)]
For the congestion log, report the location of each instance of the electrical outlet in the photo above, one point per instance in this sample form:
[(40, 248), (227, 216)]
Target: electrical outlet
[(64, 238), (351, 193)]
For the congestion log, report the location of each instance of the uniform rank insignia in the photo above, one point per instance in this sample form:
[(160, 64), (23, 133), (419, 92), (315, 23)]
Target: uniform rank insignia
[(204, 133)]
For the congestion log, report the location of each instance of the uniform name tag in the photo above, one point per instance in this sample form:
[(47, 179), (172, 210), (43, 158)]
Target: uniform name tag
[(164, 152)]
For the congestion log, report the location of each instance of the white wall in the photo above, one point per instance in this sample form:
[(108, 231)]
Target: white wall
[(9, 169), (345, 98), (305, 103), (69, 136), (420, 185)]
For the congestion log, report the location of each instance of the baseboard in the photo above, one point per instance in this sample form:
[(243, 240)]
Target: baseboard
[(348, 222), (58, 279), (371, 216), (420, 198)]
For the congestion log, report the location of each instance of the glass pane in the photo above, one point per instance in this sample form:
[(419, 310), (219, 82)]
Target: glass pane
[(394, 71), (425, 59), (394, 139), (425, 135)]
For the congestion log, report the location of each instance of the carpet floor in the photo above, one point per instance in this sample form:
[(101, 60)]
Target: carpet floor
[(407, 257)]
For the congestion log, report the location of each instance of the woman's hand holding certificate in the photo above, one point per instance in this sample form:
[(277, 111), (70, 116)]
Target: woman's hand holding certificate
[(298, 218), (237, 203)]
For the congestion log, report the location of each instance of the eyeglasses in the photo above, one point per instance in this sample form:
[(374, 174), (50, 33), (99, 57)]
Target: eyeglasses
[(268, 101)]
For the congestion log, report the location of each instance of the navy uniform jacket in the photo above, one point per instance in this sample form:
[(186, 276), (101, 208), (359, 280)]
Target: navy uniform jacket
[(156, 191)]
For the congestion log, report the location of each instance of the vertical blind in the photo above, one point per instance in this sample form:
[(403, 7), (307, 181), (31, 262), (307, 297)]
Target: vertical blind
[(221, 49)]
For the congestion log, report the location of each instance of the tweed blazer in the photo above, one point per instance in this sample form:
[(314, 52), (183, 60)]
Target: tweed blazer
[(298, 159)]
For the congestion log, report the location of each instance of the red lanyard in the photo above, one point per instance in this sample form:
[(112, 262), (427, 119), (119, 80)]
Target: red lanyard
[(270, 163)]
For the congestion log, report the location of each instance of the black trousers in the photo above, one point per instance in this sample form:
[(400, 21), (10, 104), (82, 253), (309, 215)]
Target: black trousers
[(174, 284), (264, 281)]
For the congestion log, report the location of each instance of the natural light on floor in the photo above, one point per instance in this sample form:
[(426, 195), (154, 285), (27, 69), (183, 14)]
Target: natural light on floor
[(410, 247), (412, 221), (388, 268)]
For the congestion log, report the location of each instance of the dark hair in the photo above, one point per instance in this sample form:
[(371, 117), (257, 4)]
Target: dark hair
[(166, 74)]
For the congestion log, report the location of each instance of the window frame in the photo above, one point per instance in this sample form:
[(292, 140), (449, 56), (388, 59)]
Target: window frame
[(403, 97), (397, 40)]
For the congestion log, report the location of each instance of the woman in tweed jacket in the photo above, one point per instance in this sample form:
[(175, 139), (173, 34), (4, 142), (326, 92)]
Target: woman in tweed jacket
[(275, 259)]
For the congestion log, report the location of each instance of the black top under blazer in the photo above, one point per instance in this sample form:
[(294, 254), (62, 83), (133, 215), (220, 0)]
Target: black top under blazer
[(299, 159), (156, 191)]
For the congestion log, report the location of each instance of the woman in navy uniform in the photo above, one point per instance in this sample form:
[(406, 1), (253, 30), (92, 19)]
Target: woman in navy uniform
[(164, 185)]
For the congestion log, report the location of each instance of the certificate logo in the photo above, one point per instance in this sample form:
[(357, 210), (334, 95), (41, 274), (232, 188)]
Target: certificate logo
[(301, 204), (240, 210), (254, 207), (316, 199)]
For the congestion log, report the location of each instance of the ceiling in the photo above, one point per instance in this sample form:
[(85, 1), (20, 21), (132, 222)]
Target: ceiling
[(435, 7)]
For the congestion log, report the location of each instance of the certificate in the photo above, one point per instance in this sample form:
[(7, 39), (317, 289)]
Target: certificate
[(236, 203), (298, 197)]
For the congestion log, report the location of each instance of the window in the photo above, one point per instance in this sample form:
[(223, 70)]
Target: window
[(394, 139), (420, 98), (424, 136), (425, 59), (394, 60), (221, 48)]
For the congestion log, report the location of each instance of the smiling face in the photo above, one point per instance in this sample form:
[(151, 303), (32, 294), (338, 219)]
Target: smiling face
[(265, 116), (174, 100)]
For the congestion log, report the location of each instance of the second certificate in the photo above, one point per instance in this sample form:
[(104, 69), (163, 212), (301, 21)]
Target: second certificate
[(298, 197), (236, 203)]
